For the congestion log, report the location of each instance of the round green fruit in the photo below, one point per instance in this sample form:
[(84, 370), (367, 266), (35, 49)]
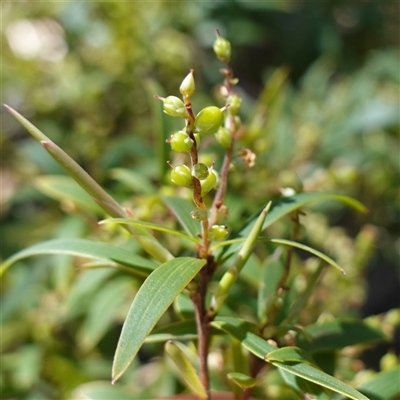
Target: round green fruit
[(181, 142), (181, 176), (175, 107), (224, 137), (217, 232), (208, 120)]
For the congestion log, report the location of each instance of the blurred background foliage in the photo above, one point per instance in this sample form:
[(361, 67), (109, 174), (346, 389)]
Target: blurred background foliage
[(320, 89)]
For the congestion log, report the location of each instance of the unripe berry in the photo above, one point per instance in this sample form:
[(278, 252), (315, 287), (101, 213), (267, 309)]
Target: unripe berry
[(208, 120), (222, 49), (181, 176), (181, 142), (209, 183), (217, 232), (234, 102), (175, 107), (200, 171), (224, 137), (188, 87)]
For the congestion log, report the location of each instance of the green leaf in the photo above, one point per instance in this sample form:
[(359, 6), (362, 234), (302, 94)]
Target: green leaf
[(101, 314), (181, 209), (384, 386), (186, 368), (133, 180), (149, 225), (153, 298), (102, 390), (317, 253), (312, 374), (245, 332), (287, 205), (63, 188), (148, 242), (337, 334), (241, 330), (182, 330), (289, 354), (84, 248), (302, 386), (242, 380)]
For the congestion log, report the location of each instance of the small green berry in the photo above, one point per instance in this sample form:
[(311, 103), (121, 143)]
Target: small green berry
[(200, 171), (175, 107), (222, 49), (181, 142), (188, 87), (209, 183), (224, 137), (217, 232), (234, 102), (208, 120), (181, 176)]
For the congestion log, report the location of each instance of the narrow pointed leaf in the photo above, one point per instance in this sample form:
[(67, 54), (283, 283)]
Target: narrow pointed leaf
[(84, 248), (148, 225), (333, 335), (181, 208), (385, 385), (62, 188), (186, 368), (317, 253), (312, 374), (260, 348), (242, 380), (148, 242), (152, 300), (289, 354), (287, 205)]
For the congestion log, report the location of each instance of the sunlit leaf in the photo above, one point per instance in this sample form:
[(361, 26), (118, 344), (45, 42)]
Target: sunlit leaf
[(84, 248), (152, 300)]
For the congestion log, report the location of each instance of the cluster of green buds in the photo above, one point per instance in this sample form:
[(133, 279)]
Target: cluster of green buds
[(199, 177)]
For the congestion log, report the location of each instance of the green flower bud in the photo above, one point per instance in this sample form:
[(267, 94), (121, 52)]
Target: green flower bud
[(217, 232), (181, 142), (209, 183), (188, 87), (200, 171), (234, 102), (208, 120), (175, 107), (222, 49), (224, 137), (181, 176)]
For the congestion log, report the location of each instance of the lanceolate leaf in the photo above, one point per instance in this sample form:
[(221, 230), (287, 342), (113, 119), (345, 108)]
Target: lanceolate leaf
[(317, 253), (149, 225), (337, 334), (287, 205), (153, 298), (383, 386), (260, 348), (181, 209), (84, 248)]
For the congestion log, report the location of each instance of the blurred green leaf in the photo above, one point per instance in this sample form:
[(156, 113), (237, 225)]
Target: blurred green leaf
[(338, 334), (181, 208), (85, 248), (153, 298), (102, 390), (64, 188), (102, 311), (149, 225)]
